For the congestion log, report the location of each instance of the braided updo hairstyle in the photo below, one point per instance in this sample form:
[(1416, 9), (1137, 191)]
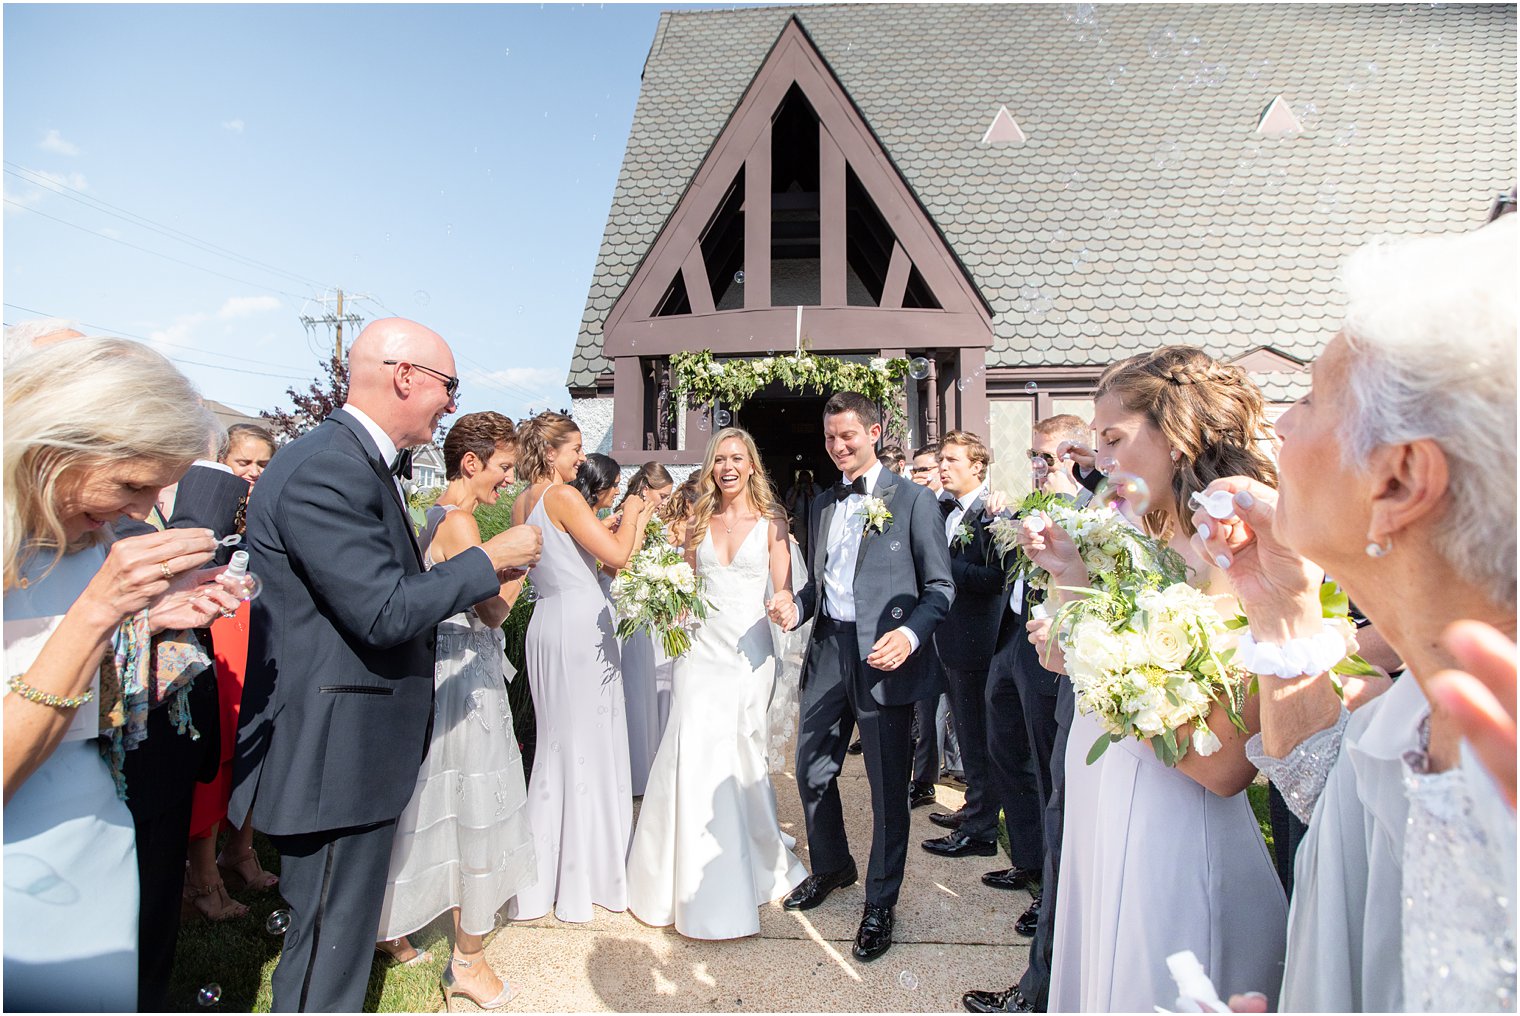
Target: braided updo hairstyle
[(1211, 412), (535, 438)]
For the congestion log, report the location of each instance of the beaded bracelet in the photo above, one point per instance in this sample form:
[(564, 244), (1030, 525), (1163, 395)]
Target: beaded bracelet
[(1295, 657), (45, 698)]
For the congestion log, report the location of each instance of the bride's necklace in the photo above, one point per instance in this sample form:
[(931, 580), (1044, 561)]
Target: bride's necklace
[(728, 527)]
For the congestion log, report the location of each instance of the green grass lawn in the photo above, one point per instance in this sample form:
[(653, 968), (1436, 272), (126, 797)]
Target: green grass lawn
[(240, 956)]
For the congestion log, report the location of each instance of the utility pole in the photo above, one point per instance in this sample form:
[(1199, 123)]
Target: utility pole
[(333, 317)]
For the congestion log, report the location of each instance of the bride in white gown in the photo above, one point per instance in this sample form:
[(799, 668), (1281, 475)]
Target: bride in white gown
[(707, 828)]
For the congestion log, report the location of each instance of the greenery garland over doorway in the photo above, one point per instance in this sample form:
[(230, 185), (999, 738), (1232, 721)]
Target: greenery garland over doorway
[(700, 379)]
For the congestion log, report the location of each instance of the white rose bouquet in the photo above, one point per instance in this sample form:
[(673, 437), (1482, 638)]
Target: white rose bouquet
[(1148, 660), (660, 593)]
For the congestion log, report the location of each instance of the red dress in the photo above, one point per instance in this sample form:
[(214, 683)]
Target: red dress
[(229, 641)]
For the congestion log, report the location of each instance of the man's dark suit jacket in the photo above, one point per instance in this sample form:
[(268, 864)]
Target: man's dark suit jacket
[(967, 637), (902, 579), (338, 698)]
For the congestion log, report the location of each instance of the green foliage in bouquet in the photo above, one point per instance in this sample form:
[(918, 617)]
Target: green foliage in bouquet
[(659, 592), (701, 379)]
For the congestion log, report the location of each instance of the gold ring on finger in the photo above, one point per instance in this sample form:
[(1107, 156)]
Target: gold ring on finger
[(163, 566)]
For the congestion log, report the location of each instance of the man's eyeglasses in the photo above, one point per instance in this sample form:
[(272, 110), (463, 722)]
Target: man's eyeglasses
[(450, 383), (1046, 457), (922, 469)]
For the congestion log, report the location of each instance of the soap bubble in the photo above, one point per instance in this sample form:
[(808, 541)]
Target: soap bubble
[(896, 545), (1107, 465), (1189, 46), (1166, 155), (209, 995), (1130, 489), (722, 418), (529, 592), (1219, 505), (702, 423), (1032, 386), (1162, 41), (278, 922), (918, 368), (961, 384), (422, 298), (908, 980), (739, 277)]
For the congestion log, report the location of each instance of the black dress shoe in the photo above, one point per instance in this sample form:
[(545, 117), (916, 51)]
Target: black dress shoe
[(816, 888), (920, 794), (947, 819), (958, 844), (1012, 1000), (855, 748), (1011, 878), (1029, 919), (875, 934)]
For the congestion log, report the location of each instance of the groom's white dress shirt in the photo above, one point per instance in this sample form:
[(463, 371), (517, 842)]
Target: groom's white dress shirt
[(842, 547)]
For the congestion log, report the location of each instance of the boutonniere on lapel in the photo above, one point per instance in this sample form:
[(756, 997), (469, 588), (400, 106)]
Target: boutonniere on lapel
[(964, 534), (875, 512)]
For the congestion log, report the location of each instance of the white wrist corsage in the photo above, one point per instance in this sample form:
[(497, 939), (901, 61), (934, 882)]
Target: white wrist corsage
[(874, 511), (1317, 654)]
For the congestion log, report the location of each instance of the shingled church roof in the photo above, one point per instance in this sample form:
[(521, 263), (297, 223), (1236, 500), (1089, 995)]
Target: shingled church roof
[(1142, 207)]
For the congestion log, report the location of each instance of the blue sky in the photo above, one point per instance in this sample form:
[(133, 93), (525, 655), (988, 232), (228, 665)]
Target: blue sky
[(456, 163)]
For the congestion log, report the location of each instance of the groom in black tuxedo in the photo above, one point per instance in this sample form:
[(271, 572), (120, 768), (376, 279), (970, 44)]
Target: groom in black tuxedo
[(878, 586), (338, 702)]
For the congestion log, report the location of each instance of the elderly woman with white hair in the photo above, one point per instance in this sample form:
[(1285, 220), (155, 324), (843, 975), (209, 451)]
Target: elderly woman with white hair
[(1398, 479), (93, 429)]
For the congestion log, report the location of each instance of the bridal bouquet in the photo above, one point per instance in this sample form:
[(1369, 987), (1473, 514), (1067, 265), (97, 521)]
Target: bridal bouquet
[(1147, 660), (658, 592)]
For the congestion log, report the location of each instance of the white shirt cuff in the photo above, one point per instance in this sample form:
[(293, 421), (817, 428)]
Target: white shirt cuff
[(912, 638)]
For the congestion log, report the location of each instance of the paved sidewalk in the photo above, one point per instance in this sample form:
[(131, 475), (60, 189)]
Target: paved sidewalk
[(952, 934)]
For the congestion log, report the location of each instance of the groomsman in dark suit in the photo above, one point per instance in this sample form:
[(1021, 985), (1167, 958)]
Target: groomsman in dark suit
[(338, 702), (1029, 712), (964, 642), (878, 586), (924, 471)]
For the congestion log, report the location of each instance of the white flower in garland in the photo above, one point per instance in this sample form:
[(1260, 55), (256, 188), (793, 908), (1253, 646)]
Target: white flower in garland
[(875, 512), (878, 364)]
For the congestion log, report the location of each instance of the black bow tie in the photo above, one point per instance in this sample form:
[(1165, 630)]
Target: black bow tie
[(843, 490), (948, 505), (401, 465)]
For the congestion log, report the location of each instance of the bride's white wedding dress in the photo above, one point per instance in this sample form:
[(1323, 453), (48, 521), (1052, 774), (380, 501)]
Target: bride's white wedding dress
[(708, 851)]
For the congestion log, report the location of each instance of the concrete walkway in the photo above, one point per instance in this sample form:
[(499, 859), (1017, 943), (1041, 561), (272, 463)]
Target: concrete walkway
[(952, 934)]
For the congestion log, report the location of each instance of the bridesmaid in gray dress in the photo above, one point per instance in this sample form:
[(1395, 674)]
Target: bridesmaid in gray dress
[(1158, 859), (580, 805), (641, 661)]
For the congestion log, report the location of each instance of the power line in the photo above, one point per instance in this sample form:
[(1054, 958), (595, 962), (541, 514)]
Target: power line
[(176, 359), (145, 250), (157, 342), (97, 204)]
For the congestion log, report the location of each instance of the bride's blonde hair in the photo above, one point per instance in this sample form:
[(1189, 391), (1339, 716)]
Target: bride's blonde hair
[(762, 496)]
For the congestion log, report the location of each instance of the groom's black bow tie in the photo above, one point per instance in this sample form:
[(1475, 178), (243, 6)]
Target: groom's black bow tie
[(401, 465), (948, 505), (843, 490)]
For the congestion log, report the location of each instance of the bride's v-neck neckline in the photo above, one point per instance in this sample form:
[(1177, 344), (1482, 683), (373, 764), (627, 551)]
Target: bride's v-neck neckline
[(738, 550)]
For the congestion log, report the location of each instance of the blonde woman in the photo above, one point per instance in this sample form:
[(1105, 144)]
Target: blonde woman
[(580, 805), (77, 458), (708, 851)]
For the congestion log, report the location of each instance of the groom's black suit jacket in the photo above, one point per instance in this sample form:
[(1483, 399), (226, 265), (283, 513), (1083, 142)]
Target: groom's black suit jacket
[(902, 579), (338, 698)]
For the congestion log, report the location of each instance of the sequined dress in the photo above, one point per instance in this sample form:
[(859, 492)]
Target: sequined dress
[(463, 840)]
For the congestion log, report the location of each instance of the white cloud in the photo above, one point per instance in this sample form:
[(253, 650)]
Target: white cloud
[(53, 142), (177, 333), (233, 126), (531, 378), (35, 183), (242, 306)]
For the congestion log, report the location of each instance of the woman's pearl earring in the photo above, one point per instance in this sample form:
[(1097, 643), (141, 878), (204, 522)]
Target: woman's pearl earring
[(1176, 455), (1375, 549)]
